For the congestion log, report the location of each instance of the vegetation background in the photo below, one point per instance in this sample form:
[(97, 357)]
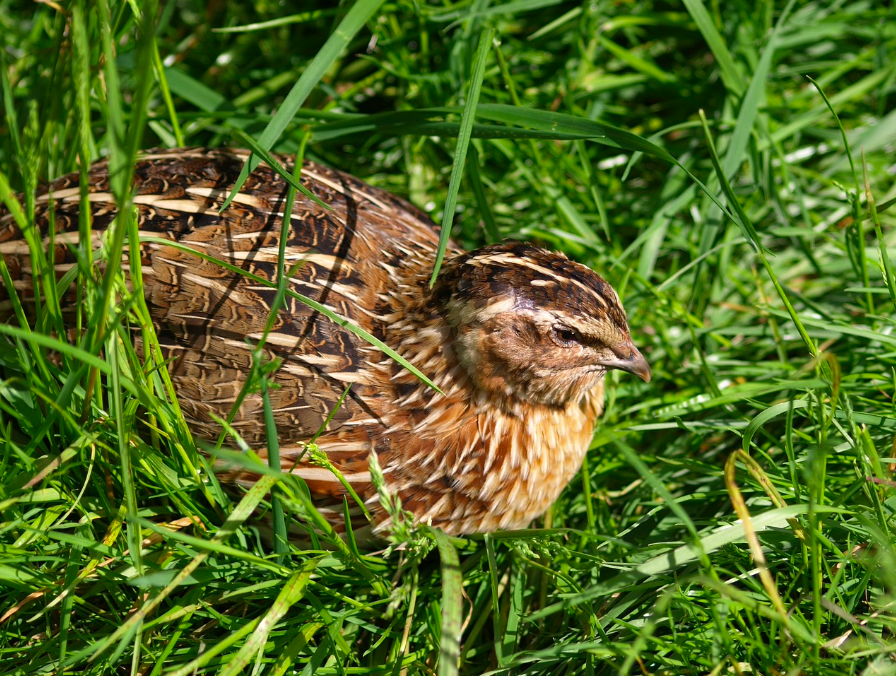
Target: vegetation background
[(734, 516)]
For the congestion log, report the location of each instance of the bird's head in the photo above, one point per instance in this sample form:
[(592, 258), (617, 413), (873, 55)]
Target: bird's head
[(533, 325)]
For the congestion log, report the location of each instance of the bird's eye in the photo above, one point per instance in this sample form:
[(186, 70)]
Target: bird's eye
[(565, 335)]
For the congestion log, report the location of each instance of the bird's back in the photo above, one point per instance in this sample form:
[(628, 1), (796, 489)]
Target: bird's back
[(208, 316)]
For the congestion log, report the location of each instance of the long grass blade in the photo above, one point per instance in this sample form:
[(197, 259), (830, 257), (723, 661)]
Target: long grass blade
[(460, 152), (360, 13), (452, 591)]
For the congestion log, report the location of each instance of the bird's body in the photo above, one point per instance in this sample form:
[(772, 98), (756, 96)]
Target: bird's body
[(520, 395)]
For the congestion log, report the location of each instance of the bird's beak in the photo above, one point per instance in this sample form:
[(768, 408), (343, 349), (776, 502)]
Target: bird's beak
[(629, 359)]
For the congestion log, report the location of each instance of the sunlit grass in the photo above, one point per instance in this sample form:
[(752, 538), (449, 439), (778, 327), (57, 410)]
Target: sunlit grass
[(734, 516)]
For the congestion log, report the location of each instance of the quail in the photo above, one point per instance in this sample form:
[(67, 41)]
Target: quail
[(517, 338)]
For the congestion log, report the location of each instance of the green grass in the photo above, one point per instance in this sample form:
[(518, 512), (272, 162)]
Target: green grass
[(734, 516)]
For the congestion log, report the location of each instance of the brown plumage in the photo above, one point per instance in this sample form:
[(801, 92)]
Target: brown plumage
[(517, 338)]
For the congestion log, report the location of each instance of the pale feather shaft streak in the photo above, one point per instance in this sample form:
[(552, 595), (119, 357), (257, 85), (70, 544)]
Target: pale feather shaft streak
[(320, 474), (526, 263)]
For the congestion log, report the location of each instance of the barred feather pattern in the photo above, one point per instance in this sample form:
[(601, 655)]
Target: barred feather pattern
[(519, 400)]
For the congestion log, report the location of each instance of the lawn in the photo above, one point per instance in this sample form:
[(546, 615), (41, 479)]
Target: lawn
[(727, 166)]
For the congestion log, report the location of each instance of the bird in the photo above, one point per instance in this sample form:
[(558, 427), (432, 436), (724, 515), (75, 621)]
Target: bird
[(516, 338)]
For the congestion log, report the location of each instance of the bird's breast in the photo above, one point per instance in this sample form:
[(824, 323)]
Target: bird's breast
[(491, 467)]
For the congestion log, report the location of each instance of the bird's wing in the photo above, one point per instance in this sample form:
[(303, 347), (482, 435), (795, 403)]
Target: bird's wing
[(209, 316)]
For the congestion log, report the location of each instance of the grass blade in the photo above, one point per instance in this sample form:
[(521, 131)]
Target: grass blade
[(452, 595), (728, 69), (460, 152), (360, 13), (291, 593)]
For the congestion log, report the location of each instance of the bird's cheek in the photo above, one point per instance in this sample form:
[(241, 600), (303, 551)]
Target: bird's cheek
[(507, 352), (484, 365)]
